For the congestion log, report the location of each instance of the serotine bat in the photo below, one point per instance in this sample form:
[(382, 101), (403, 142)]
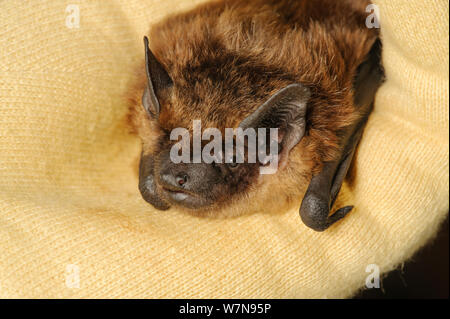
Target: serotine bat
[(309, 68)]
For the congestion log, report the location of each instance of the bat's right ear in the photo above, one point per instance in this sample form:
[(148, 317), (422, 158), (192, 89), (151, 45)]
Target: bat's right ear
[(157, 80)]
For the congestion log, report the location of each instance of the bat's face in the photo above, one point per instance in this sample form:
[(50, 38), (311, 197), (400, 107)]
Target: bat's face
[(210, 157), (165, 182)]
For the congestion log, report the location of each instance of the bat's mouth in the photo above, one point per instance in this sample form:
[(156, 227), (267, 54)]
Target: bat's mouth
[(183, 197), (177, 195)]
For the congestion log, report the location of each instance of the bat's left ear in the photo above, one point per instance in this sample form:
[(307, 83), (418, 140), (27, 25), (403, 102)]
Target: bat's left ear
[(285, 110), (157, 80)]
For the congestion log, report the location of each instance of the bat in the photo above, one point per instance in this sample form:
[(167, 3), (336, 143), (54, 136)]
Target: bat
[(306, 70)]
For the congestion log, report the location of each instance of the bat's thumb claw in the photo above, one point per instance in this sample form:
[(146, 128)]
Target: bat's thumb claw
[(339, 214)]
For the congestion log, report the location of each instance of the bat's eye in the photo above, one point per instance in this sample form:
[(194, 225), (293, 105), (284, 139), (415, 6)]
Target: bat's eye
[(233, 163)]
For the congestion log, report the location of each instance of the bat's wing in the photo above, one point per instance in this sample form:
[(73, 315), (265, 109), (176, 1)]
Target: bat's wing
[(324, 187)]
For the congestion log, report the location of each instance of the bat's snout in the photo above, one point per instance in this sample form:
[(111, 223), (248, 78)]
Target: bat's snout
[(187, 184)]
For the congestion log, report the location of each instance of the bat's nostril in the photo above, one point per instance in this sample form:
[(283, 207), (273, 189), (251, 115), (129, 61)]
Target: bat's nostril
[(181, 179)]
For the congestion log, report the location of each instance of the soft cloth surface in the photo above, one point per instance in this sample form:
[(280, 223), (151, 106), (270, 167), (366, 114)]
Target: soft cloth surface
[(69, 202)]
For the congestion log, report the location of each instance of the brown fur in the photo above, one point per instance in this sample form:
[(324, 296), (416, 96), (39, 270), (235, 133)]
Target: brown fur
[(227, 57)]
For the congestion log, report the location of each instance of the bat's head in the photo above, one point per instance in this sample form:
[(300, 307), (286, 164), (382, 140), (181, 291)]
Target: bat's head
[(208, 145)]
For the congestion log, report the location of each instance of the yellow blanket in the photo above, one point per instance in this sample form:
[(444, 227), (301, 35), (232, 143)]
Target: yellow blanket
[(73, 224)]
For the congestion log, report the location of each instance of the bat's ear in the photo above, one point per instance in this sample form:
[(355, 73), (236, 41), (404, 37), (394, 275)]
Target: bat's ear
[(324, 187), (157, 80), (285, 110)]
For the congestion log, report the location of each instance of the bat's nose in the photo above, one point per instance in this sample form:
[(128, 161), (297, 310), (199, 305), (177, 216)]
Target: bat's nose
[(177, 180), (181, 179), (194, 179)]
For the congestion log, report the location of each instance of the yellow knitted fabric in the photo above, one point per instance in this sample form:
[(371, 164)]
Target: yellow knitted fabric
[(69, 202)]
